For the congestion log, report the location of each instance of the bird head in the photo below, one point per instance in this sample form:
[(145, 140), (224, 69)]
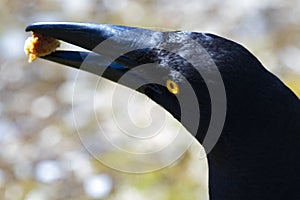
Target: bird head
[(201, 79)]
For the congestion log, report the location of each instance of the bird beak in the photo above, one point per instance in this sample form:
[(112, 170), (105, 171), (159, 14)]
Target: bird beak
[(107, 46)]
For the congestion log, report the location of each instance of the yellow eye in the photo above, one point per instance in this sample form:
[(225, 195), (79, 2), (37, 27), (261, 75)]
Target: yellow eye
[(172, 87)]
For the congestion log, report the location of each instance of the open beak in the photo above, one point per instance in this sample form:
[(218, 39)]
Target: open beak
[(110, 47)]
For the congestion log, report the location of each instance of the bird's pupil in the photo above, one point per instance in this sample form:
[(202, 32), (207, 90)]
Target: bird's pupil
[(171, 86)]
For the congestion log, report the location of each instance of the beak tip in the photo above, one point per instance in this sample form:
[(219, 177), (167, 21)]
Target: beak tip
[(29, 28), (34, 26)]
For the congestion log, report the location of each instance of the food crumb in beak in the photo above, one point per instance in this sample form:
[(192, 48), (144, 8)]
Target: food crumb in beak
[(39, 45)]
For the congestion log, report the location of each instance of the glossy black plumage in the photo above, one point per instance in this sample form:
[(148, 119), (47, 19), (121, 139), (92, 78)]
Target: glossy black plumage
[(258, 153)]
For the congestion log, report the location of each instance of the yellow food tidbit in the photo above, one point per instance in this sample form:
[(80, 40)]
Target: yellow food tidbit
[(39, 45)]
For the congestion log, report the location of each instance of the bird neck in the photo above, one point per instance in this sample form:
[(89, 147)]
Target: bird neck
[(256, 154)]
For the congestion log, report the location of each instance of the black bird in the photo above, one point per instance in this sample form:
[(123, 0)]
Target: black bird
[(257, 152)]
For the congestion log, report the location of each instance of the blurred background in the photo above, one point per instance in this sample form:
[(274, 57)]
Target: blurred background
[(42, 156)]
